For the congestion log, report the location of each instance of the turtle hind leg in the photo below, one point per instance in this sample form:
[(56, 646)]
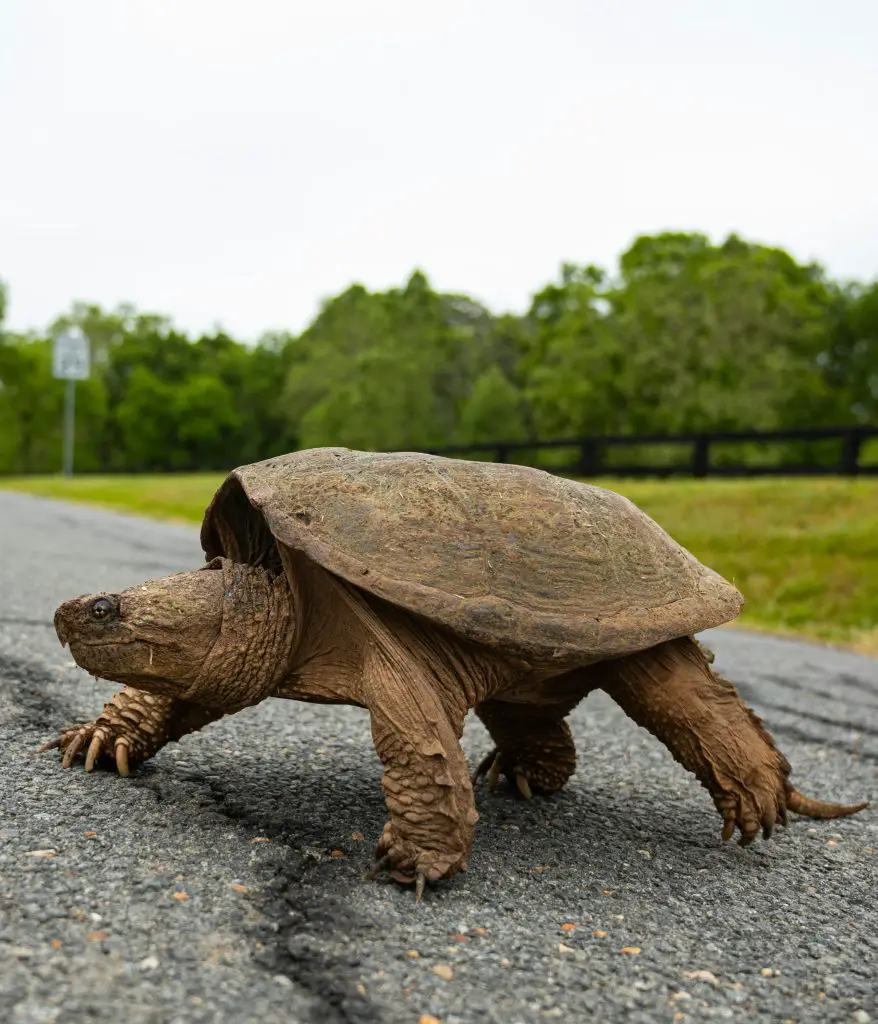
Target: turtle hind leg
[(672, 691), (534, 745)]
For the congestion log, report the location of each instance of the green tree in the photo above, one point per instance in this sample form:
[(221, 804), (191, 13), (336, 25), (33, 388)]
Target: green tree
[(494, 410), (719, 337), (384, 370), (32, 410), (687, 335), (850, 360), (573, 363)]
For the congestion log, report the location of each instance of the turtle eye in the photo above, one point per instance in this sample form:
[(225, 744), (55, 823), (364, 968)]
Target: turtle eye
[(102, 609)]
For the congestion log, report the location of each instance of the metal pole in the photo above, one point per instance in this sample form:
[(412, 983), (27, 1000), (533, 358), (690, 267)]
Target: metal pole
[(69, 421)]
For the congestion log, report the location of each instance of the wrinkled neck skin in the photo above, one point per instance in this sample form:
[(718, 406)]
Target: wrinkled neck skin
[(255, 642)]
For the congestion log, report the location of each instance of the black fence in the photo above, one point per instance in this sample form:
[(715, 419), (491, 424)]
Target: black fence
[(834, 451), (818, 451)]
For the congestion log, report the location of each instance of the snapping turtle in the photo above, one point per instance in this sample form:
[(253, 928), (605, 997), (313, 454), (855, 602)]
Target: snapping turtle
[(419, 587)]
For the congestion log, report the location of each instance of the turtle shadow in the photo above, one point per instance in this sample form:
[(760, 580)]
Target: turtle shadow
[(326, 803), (630, 816)]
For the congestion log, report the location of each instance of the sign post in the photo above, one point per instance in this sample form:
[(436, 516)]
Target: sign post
[(70, 363)]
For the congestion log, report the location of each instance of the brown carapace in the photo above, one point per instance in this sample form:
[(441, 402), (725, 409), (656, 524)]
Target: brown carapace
[(419, 587)]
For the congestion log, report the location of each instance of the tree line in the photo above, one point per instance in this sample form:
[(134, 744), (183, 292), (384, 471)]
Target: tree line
[(685, 335)]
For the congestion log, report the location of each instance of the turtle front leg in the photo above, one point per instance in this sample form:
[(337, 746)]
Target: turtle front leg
[(133, 727), (416, 728), (671, 690), (534, 745)]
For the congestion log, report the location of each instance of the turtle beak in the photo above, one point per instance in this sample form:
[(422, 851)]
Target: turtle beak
[(61, 626)]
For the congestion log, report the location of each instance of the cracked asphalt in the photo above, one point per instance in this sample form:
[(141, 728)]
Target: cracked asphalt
[(224, 881)]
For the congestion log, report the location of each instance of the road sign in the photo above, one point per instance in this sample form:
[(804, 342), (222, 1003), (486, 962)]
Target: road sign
[(70, 362), (70, 355)]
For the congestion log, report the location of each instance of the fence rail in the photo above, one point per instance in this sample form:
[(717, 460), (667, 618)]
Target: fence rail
[(841, 453), (590, 460)]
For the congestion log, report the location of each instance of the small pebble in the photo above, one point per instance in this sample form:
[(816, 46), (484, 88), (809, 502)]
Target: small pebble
[(701, 976)]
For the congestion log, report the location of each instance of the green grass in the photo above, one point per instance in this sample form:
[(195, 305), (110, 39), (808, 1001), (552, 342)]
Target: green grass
[(803, 551)]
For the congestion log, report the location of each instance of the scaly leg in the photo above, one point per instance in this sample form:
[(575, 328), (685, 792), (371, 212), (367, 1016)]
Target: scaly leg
[(133, 726), (671, 690), (426, 783), (534, 745)]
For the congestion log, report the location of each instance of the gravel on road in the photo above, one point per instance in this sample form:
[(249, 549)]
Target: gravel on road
[(224, 880)]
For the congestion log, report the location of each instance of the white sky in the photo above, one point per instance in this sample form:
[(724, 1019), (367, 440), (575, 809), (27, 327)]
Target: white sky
[(234, 163)]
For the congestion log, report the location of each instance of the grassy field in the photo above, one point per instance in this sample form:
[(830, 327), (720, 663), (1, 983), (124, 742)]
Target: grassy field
[(803, 552)]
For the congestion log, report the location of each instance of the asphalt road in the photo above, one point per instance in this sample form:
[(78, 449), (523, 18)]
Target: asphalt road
[(224, 880)]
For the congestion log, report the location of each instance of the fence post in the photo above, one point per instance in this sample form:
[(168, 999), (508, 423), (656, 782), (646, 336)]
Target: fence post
[(850, 452), (701, 456), (589, 457)]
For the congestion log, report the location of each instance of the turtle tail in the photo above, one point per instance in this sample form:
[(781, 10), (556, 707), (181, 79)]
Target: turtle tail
[(798, 803)]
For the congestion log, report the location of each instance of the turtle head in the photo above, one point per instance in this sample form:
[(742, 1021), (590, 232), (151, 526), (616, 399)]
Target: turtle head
[(155, 636), (221, 636)]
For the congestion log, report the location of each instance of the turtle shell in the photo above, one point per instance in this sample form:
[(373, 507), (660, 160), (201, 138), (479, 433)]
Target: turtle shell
[(545, 568)]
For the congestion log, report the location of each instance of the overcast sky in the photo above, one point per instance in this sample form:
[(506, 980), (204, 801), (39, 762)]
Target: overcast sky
[(235, 162)]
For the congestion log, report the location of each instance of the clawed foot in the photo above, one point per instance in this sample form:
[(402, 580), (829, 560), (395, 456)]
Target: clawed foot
[(758, 807), (409, 864), (96, 740), (491, 766)]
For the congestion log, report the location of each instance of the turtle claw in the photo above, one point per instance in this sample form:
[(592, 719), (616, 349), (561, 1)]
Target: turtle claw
[(410, 864), (122, 758), (72, 749), (522, 785), (94, 751), (755, 809), (378, 867), (490, 766), (95, 741)]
